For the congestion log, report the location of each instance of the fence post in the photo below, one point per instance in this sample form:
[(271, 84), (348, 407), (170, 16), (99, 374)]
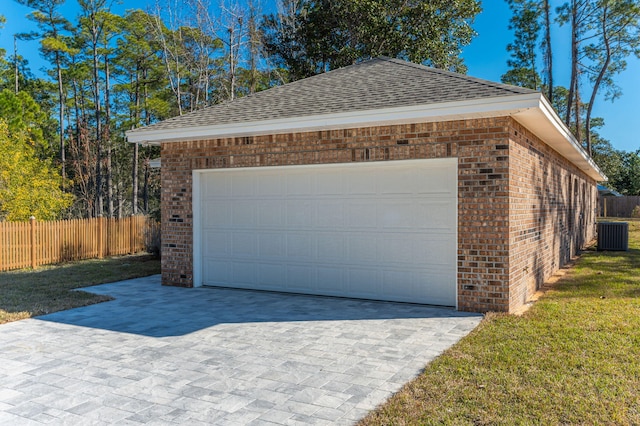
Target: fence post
[(32, 220), (100, 242)]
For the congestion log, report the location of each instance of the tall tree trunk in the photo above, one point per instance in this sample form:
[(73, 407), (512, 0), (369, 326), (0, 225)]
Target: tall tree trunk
[(254, 47), (107, 137), (120, 203), (573, 84), (599, 78), (145, 185), (145, 188), (548, 56), (136, 154), (61, 99), (578, 111), (15, 64), (232, 63), (98, 116)]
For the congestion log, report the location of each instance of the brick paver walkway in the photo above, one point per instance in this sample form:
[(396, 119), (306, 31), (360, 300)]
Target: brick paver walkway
[(165, 355)]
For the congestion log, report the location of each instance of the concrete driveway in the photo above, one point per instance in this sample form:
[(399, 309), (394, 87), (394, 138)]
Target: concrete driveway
[(165, 355)]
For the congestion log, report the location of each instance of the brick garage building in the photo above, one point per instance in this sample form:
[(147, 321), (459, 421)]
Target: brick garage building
[(384, 180)]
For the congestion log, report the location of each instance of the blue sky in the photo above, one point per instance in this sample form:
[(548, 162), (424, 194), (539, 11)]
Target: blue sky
[(486, 57)]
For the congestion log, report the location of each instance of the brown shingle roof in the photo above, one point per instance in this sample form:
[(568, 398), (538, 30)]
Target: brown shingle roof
[(379, 83)]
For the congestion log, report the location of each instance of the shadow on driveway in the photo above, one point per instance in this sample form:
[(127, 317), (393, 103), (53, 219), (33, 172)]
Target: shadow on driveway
[(143, 306)]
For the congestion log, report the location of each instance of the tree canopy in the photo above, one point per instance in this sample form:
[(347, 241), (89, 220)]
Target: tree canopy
[(311, 36), (107, 74), (603, 34), (29, 184)]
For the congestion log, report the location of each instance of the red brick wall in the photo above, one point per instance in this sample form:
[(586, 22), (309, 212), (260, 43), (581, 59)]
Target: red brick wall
[(483, 221), (552, 213), (482, 146)]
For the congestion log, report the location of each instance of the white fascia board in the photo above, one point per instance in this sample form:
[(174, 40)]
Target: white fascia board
[(545, 123), (476, 108), (531, 109)]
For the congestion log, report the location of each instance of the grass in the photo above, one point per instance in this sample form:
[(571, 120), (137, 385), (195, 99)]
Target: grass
[(573, 358), (29, 293)]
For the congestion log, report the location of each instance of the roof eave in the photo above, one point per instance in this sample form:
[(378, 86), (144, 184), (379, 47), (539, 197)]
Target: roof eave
[(476, 108), (532, 110), (545, 123)]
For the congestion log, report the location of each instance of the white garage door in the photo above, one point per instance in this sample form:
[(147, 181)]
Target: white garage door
[(380, 230)]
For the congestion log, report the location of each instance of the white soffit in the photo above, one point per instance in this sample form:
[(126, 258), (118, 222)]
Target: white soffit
[(545, 123), (531, 110)]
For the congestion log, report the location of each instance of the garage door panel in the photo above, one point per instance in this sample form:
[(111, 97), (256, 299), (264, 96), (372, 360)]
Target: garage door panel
[(299, 183), (361, 214), (217, 271), (270, 214), (300, 214), (400, 183), (397, 249), (330, 247), (300, 278), (270, 276), (360, 183), (219, 215), (271, 245), (400, 283), (243, 185), (438, 250), (217, 188), (397, 215), (300, 246), (328, 183), (216, 243), (363, 282), (244, 272), (329, 214), (384, 230), (243, 214), (362, 249), (429, 185), (435, 215), (440, 294), (270, 184), (331, 279), (244, 244)]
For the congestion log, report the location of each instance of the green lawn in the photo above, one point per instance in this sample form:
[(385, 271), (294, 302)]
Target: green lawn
[(573, 358), (28, 293)]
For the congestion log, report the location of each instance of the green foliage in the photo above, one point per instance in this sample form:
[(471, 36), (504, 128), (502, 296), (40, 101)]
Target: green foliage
[(525, 23), (313, 36), (608, 159), (23, 115), (627, 182), (29, 186)]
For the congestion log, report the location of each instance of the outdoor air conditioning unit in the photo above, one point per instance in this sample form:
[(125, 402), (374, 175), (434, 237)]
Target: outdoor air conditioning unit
[(613, 236)]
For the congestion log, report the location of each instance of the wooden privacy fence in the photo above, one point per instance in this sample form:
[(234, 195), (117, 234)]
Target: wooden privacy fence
[(618, 206), (29, 244)]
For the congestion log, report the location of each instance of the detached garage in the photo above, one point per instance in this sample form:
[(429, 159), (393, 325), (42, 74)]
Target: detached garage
[(383, 180)]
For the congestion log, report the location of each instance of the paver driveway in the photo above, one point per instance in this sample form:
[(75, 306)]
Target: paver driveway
[(164, 355)]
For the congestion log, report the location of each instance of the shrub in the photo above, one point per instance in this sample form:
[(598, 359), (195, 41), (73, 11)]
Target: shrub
[(152, 237)]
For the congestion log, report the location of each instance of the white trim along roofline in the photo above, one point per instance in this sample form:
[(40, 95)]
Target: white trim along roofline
[(532, 110)]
